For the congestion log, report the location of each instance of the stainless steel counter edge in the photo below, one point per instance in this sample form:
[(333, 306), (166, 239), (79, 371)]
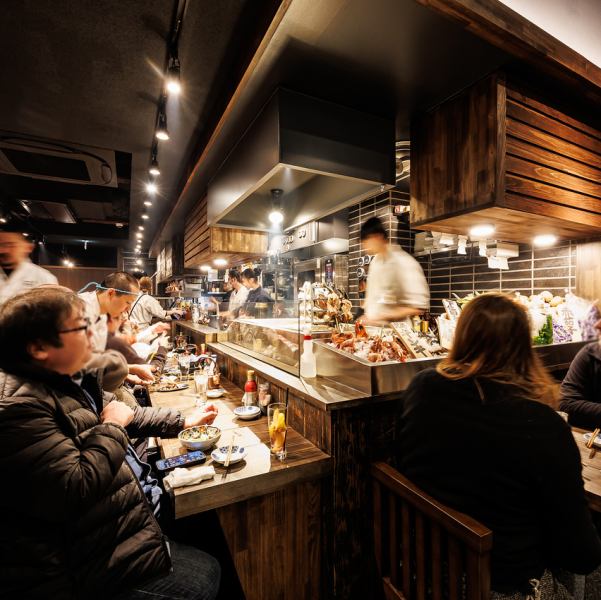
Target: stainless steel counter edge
[(328, 394)]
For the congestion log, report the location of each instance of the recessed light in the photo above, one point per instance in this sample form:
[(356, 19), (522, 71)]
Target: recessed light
[(139, 235), (139, 261), (147, 203), (26, 234), (119, 225), (220, 262), (543, 241), (141, 227), (481, 231), (145, 216), (151, 187), (137, 250), (3, 219)]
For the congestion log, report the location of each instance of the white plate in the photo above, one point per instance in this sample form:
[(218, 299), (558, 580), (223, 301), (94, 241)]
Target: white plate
[(597, 442), (215, 393), (220, 454), (247, 412)]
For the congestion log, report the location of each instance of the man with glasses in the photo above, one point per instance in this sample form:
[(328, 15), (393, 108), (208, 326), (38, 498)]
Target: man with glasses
[(17, 273), (78, 521), (111, 298)]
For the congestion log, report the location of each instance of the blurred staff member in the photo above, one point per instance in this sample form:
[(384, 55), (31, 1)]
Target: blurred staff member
[(146, 307), (396, 285), (110, 298), (238, 295), (17, 273)]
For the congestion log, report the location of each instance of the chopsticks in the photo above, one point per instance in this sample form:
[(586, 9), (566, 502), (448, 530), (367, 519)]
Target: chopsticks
[(591, 441), (228, 457)]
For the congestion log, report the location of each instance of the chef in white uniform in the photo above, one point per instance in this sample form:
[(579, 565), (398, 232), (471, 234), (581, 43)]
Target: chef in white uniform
[(17, 273)]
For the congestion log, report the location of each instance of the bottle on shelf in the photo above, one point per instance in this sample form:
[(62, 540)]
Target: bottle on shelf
[(250, 389), (308, 364)]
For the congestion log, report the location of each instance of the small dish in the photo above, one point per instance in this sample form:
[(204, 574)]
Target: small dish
[(216, 393), (171, 387), (246, 413), (596, 443), (202, 437), (219, 455)]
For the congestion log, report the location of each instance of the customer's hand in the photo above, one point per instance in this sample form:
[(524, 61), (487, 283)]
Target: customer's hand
[(162, 327), (135, 380), (118, 413), (201, 416), (144, 372)]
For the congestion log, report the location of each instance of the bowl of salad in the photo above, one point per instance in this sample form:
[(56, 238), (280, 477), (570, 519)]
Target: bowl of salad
[(201, 437)]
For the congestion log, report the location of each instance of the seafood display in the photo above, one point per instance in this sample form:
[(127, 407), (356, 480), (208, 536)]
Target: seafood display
[(322, 304), (374, 348)]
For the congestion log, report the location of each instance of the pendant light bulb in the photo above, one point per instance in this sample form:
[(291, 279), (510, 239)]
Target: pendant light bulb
[(276, 216)]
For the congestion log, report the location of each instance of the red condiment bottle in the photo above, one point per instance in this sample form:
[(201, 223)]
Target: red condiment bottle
[(250, 389)]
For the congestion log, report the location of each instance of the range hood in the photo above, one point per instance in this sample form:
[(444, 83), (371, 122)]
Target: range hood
[(322, 155)]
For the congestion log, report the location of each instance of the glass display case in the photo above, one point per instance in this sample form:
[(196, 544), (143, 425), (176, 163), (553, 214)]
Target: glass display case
[(271, 332)]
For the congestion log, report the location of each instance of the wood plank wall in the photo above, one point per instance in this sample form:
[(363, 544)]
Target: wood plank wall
[(75, 278), (197, 235), (588, 270), (552, 160)]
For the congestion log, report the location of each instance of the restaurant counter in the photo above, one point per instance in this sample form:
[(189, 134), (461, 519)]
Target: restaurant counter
[(355, 429), (200, 334), (269, 510)]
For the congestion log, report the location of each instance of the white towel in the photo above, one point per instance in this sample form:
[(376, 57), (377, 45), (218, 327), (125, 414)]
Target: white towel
[(182, 476)]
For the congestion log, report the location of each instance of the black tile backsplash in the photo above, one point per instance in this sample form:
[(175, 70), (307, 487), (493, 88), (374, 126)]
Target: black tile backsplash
[(532, 272)]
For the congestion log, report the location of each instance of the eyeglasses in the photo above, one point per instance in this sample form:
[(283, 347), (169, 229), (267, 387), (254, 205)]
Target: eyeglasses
[(82, 328)]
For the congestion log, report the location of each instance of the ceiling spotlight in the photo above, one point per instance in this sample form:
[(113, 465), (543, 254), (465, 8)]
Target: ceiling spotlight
[(145, 216), (174, 85), (26, 234), (139, 235), (147, 203), (154, 163), (139, 261), (220, 262), (542, 241), (481, 231), (276, 216), (66, 262), (161, 132), (141, 227), (118, 225), (206, 268), (137, 250), (3, 219), (151, 187)]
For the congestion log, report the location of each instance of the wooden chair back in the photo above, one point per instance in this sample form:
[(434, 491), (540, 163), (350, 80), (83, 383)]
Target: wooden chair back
[(425, 550)]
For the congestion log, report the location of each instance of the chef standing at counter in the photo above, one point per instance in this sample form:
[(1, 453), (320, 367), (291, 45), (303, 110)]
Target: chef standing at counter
[(17, 273), (396, 285), (147, 307)]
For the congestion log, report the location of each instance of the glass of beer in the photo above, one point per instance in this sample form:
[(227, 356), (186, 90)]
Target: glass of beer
[(277, 419)]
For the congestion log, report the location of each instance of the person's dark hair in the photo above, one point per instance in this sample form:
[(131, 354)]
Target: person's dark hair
[(120, 280), (234, 274), (493, 341), (34, 316), (251, 274), (373, 226)]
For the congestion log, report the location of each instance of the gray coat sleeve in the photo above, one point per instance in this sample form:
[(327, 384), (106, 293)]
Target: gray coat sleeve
[(150, 421)]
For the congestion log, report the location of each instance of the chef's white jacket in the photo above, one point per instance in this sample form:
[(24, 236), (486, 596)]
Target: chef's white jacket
[(23, 278)]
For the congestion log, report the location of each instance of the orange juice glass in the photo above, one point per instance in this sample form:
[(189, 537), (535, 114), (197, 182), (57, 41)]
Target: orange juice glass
[(277, 420)]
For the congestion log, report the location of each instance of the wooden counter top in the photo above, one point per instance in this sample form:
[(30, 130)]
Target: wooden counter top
[(258, 474)]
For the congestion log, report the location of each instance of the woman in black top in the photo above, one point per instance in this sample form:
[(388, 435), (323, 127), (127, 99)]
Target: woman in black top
[(256, 294), (479, 433)]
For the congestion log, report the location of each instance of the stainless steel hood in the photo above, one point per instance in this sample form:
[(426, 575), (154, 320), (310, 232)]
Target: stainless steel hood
[(322, 155)]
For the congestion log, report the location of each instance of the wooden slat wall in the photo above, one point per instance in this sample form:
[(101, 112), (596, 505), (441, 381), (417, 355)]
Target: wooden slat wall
[(197, 235), (242, 241), (454, 158), (588, 270), (552, 160)]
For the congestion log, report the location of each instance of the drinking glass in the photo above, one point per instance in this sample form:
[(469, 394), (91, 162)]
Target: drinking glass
[(278, 424), (184, 365), (201, 381)]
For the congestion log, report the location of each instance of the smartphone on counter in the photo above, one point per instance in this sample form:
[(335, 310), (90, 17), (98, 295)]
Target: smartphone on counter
[(182, 460)]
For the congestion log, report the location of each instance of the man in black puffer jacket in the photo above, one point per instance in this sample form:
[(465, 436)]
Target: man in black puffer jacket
[(75, 521)]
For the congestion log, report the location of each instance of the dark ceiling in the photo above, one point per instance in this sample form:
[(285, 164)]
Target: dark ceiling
[(90, 73)]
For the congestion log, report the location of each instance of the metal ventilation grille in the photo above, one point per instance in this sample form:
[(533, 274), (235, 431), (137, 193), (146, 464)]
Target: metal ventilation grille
[(31, 163), (51, 211)]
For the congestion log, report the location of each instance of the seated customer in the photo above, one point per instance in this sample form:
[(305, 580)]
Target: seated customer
[(581, 387), (480, 435), (77, 521)]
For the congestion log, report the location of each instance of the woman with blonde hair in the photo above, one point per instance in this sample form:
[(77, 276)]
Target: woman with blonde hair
[(481, 435)]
